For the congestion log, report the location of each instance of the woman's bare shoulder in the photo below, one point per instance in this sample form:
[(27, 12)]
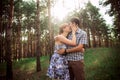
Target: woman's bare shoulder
[(58, 37)]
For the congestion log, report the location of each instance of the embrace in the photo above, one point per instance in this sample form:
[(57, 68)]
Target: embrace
[(67, 62)]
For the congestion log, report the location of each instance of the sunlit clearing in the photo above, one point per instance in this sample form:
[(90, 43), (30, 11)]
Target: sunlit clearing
[(63, 7), (60, 13)]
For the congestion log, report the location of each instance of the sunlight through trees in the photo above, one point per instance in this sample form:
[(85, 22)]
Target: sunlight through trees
[(27, 27)]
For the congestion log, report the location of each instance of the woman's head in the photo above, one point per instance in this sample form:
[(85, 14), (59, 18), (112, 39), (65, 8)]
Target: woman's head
[(64, 28)]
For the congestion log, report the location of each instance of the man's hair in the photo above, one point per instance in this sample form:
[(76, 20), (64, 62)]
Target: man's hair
[(75, 20)]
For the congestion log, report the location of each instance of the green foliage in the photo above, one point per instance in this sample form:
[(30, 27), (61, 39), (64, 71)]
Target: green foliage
[(114, 11)]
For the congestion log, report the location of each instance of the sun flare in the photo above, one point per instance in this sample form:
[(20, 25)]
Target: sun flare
[(63, 7), (59, 12)]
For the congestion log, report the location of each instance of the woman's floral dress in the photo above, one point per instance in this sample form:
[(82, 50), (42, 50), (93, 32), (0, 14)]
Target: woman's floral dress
[(58, 68)]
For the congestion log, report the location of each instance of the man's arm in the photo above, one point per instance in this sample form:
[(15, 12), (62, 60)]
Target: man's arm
[(81, 44), (75, 49), (78, 48)]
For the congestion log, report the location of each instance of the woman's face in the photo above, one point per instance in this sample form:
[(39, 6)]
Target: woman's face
[(67, 29)]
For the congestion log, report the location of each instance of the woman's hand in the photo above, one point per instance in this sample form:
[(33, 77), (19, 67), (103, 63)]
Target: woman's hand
[(61, 51), (73, 29)]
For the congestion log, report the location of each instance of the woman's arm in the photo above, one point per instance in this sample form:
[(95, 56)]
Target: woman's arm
[(67, 41), (78, 48)]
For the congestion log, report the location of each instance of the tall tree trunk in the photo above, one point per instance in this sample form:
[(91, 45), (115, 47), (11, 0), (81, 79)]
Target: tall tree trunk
[(31, 45), (9, 71), (106, 41), (13, 43), (2, 31), (28, 46), (38, 51), (34, 46), (99, 40), (50, 28), (93, 39), (93, 36), (19, 33), (1, 36)]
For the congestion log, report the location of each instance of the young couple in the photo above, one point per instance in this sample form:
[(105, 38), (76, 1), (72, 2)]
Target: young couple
[(67, 61)]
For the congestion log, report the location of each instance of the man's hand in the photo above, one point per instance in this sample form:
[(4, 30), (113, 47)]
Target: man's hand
[(83, 50), (61, 51)]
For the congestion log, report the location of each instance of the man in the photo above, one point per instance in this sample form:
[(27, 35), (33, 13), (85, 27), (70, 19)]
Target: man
[(74, 56)]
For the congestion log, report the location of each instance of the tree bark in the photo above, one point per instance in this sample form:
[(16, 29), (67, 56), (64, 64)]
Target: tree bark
[(88, 34), (1, 36), (38, 67), (50, 29), (19, 34), (9, 71)]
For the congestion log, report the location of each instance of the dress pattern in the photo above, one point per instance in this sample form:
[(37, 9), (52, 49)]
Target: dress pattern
[(58, 68)]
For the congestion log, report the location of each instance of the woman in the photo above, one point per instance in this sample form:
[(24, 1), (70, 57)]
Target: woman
[(58, 68)]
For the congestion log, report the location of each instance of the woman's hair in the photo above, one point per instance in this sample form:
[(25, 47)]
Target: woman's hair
[(75, 20), (62, 27)]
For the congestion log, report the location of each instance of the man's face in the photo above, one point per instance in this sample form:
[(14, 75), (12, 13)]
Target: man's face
[(71, 24)]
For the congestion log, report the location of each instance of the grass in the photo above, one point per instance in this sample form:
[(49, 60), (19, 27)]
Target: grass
[(100, 64), (25, 69)]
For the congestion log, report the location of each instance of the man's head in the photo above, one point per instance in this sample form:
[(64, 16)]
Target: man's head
[(74, 22)]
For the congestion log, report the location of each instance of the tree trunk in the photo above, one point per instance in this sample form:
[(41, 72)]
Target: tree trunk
[(99, 40), (14, 44), (38, 67), (1, 38), (106, 42), (50, 29), (93, 36), (9, 71), (28, 46), (19, 36), (32, 46), (93, 42), (88, 34)]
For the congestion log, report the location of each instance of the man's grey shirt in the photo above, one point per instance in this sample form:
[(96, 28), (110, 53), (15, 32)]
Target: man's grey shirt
[(81, 38)]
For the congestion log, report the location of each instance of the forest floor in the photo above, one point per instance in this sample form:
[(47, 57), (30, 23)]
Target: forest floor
[(100, 64)]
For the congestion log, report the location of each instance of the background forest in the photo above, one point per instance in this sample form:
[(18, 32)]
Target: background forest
[(27, 32)]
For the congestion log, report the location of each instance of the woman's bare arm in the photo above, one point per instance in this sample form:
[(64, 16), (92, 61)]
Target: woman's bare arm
[(67, 41)]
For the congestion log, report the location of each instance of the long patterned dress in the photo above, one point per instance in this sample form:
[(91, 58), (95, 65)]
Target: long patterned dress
[(58, 68)]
